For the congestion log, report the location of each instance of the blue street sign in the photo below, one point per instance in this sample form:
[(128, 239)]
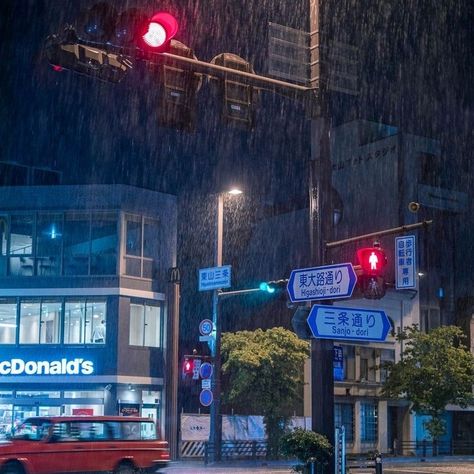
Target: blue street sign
[(338, 363), (322, 283), (205, 371), (214, 278), (206, 397), (353, 324), (405, 262)]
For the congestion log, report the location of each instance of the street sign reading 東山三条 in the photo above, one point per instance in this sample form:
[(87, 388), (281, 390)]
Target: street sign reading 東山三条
[(354, 324), (321, 283), (214, 278)]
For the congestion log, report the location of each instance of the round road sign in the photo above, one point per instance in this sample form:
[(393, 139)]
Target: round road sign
[(205, 371), (206, 397), (205, 327)]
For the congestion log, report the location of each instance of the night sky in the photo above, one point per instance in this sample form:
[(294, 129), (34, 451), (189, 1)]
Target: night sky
[(416, 72)]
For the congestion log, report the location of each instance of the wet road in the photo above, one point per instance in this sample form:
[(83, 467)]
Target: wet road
[(398, 468)]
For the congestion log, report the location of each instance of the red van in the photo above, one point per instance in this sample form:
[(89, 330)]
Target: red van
[(85, 444)]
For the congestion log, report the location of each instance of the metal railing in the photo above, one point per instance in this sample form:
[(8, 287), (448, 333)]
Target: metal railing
[(237, 450), (435, 448)]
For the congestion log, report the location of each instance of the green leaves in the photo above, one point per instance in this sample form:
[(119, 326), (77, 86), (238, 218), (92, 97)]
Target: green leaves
[(436, 369), (265, 374)]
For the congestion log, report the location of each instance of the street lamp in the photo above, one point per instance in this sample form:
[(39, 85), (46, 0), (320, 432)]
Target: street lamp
[(215, 434)]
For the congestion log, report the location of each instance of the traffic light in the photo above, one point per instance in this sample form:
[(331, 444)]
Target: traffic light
[(178, 88), (188, 366), (65, 52), (103, 42), (101, 23), (272, 286), (237, 97), (372, 261)]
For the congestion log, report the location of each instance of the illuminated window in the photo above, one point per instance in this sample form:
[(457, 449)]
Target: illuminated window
[(82, 320), (7, 322), (141, 246), (40, 322), (368, 422), (344, 416), (145, 325)]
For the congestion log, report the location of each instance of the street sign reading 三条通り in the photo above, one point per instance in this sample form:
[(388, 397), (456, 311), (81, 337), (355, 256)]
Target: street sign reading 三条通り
[(214, 278), (321, 283), (405, 262), (354, 324)]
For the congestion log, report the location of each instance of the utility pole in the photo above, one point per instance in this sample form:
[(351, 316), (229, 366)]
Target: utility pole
[(172, 365), (320, 225)]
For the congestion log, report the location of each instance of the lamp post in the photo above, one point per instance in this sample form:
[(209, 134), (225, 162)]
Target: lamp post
[(215, 433)]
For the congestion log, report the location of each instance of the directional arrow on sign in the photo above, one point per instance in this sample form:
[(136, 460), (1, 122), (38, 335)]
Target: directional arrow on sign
[(332, 322), (322, 283)]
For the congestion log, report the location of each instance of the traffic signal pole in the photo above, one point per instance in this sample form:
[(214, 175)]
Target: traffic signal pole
[(320, 227)]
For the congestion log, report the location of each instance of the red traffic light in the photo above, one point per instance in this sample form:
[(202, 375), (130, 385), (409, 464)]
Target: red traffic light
[(159, 31), (188, 366), (372, 260)]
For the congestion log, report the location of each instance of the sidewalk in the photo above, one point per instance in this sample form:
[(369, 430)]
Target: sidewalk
[(279, 466)]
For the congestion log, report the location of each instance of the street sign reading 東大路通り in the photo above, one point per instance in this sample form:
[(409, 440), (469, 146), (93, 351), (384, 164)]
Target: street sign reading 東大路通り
[(320, 283), (214, 278), (332, 322)]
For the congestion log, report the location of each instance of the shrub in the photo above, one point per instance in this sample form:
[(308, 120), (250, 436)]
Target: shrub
[(306, 446)]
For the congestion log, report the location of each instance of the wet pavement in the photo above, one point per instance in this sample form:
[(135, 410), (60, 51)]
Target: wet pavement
[(446, 465)]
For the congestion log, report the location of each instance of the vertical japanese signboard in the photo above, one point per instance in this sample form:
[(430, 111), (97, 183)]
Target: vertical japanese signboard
[(405, 262)]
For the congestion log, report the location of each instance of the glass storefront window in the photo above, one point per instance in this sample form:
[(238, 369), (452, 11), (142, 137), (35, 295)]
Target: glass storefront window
[(50, 324), (137, 324), (6, 419), (37, 394), (84, 394), (76, 243), (49, 232), (97, 327), (7, 322), (133, 242), (75, 322), (141, 246), (84, 322), (40, 322), (152, 328), (151, 396), (21, 234), (21, 245), (145, 325), (3, 244), (104, 242), (84, 410), (30, 322)]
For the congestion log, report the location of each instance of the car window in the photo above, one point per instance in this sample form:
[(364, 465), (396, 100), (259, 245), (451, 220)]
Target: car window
[(32, 430), (80, 431)]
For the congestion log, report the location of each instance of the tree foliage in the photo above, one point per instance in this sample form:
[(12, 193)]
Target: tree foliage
[(265, 373), (306, 446), (436, 369)]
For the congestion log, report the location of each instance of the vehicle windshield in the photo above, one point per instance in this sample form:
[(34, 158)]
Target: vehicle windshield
[(32, 430)]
